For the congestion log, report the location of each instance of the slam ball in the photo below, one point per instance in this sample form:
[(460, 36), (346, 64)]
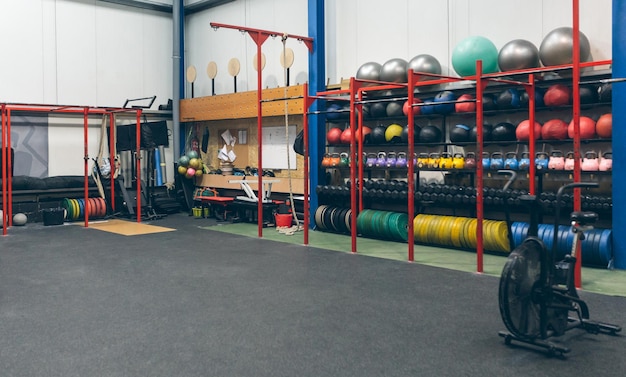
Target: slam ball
[(369, 71), (522, 132), (416, 109), (474, 48), (394, 70), (19, 219), (393, 133), (394, 109), (604, 125), (554, 129), (518, 54), (587, 128), (430, 134), (557, 46), (557, 95)]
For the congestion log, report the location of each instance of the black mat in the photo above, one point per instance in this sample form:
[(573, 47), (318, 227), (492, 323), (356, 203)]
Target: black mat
[(79, 302)]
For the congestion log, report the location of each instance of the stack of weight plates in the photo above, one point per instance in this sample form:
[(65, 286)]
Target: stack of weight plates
[(383, 225), (333, 219), (596, 248), (75, 208), (460, 232)]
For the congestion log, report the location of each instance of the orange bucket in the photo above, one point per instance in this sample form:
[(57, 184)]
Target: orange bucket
[(283, 219)]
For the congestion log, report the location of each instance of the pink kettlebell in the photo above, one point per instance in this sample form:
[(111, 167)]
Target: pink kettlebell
[(590, 162), (606, 162), (569, 161), (557, 161)]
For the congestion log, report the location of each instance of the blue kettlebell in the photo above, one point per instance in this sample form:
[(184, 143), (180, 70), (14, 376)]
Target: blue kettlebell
[(511, 161), (486, 160), (524, 161), (542, 159), (497, 161)]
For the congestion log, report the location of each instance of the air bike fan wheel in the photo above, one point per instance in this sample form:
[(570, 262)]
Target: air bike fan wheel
[(520, 286)]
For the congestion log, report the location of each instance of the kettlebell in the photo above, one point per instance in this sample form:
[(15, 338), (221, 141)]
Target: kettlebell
[(557, 161), (470, 160), (445, 161), (381, 161), (541, 160), (606, 162), (458, 161), (486, 160), (422, 160), (433, 160), (344, 160), (370, 162), (391, 159), (334, 160), (497, 162), (326, 161), (401, 160), (524, 161), (569, 161), (511, 161), (590, 162)]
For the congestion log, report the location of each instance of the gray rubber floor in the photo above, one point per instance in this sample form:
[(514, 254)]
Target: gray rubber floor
[(195, 302)]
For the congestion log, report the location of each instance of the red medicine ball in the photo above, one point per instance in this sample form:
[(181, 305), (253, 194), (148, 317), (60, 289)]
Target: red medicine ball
[(465, 107), (522, 132), (346, 135), (557, 95), (333, 136), (587, 128), (416, 109), (604, 125), (554, 129)]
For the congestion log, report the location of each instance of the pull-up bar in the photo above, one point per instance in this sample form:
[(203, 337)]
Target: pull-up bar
[(259, 37)]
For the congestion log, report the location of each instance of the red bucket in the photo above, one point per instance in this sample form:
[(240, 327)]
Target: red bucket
[(283, 219)]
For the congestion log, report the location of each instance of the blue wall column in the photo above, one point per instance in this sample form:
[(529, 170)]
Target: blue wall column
[(317, 83), (619, 133)]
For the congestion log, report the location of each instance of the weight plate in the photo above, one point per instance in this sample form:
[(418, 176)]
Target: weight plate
[(318, 216), (605, 247)]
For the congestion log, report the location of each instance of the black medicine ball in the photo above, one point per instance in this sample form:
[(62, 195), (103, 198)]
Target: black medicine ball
[(377, 136), (605, 92), (508, 99), (416, 134), (459, 133), (489, 102), (430, 134), (487, 130), (503, 131), (588, 94), (378, 110)]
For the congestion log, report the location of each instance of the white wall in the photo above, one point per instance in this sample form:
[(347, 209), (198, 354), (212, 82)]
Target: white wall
[(358, 31), (86, 53)]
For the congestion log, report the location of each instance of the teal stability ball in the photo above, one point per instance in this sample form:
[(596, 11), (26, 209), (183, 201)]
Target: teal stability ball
[(471, 49)]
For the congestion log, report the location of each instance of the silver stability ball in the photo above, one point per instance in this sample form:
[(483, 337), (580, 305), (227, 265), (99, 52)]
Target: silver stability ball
[(425, 63), (369, 71), (556, 48), (518, 54), (394, 70), (19, 219)]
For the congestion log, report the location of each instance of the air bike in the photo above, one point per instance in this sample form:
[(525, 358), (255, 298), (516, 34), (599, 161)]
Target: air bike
[(537, 295)]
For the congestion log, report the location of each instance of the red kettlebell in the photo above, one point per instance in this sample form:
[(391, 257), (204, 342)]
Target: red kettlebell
[(557, 161), (470, 160), (590, 162)]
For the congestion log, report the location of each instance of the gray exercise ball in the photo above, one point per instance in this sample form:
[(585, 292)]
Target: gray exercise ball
[(394, 70), (425, 63), (19, 219), (557, 46), (369, 71), (518, 54)]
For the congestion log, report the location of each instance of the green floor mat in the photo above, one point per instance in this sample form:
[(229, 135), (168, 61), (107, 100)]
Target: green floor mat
[(610, 282)]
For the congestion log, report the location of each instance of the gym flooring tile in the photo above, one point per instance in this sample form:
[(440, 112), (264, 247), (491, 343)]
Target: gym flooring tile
[(598, 280), (127, 228)]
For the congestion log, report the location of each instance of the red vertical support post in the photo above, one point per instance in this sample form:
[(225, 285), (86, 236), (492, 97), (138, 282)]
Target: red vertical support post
[(112, 131), (576, 120), (411, 167), (260, 136), (86, 163), (353, 92), (9, 205), (138, 149), (3, 157), (479, 166), (305, 132), (530, 89)]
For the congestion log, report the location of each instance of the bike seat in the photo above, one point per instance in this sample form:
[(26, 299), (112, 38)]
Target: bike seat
[(584, 217)]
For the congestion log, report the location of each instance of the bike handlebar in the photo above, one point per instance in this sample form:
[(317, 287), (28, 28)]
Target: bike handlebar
[(513, 175)]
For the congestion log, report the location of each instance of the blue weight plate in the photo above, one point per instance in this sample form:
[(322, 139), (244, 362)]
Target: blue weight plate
[(605, 246)]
